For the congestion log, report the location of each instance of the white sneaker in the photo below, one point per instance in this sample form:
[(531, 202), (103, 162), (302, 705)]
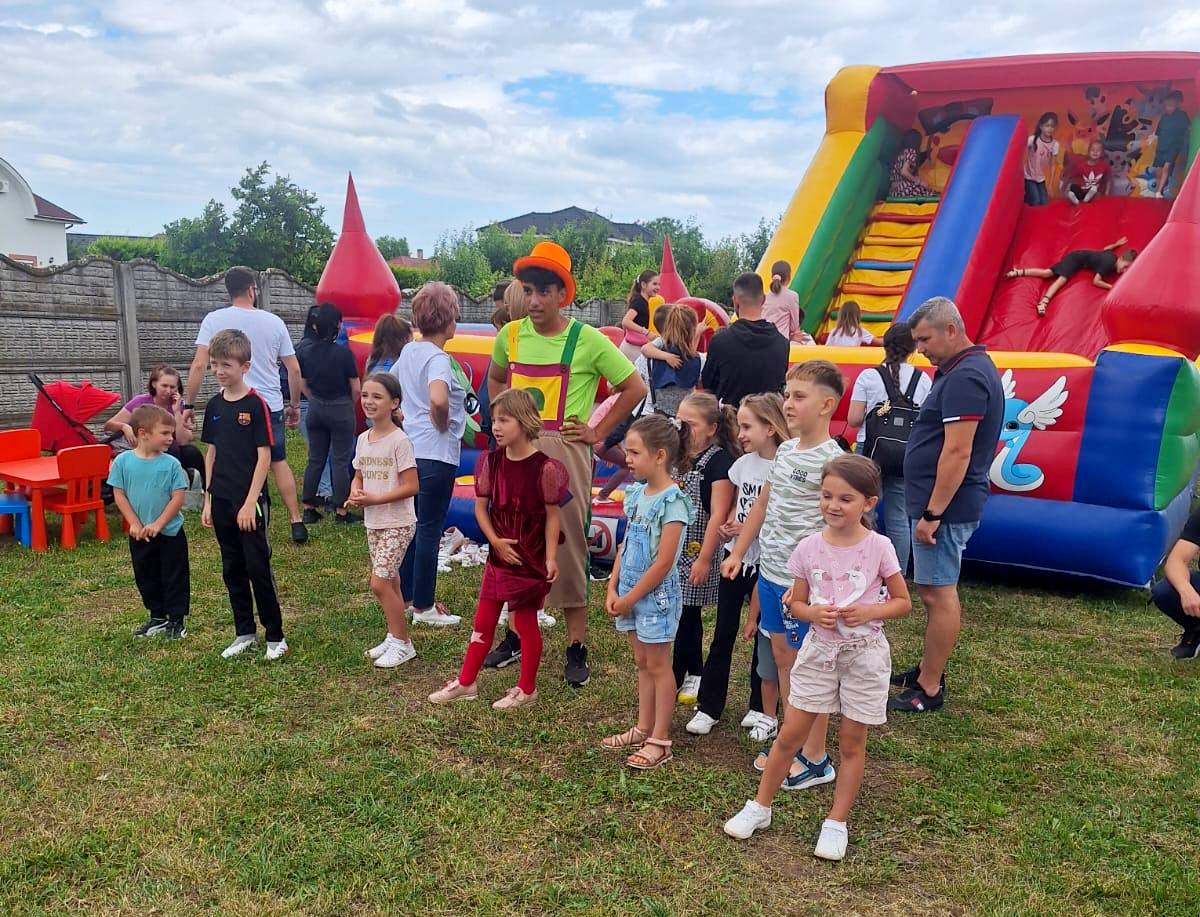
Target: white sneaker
[(750, 720), (746, 822), (502, 621), (765, 729), (239, 646), (376, 651), (689, 691), (701, 724), (409, 612), (397, 653), (275, 650), (831, 845), (436, 617), (545, 621)]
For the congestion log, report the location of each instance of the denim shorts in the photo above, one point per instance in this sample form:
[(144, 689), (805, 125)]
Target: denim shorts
[(655, 617), (939, 564), (770, 612), (278, 448)]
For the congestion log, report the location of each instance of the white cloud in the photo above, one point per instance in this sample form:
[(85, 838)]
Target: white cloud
[(135, 112)]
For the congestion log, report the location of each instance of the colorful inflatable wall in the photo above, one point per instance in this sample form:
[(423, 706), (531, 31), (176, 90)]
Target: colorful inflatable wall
[(1094, 471)]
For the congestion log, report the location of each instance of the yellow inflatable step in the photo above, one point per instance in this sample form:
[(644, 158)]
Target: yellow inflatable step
[(885, 229), (906, 209), (902, 251), (877, 278), (868, 303)]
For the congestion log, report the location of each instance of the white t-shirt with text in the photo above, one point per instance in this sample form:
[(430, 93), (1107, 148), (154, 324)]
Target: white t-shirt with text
[(794, 505), (748, 474), (380, 464)]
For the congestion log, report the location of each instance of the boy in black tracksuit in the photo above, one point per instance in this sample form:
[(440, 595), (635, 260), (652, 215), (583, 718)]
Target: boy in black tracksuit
[(237, 428)]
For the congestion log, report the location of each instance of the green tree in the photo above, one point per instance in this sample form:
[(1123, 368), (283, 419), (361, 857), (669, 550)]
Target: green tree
[(199, 246), (586, 242), (120, 248), (716, 282), (753, 245), (392, 246), (279, 224), (463, 264), (691, 252)]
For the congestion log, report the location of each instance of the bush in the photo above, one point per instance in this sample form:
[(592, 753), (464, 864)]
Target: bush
[(411, 277), (120, 248)]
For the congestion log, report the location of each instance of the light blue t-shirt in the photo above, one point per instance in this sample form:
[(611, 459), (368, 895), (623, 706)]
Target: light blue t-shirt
[(419, 364), (149, 485), (676, 507)]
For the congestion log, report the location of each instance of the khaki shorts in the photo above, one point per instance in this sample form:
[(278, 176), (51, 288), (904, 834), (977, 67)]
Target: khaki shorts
[(847, 677), (570, 590), (388, 547)]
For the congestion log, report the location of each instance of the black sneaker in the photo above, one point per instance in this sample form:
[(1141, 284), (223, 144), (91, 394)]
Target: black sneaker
[(150, 628), (1188, 647), (299, 533), (506, 652), (175, 631), (311, 516), (600, 574), (915, 700), (576, 670), (908, 678), (347, 519)]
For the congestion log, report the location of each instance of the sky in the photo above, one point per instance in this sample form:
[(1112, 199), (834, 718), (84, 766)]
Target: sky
[(454, 113)]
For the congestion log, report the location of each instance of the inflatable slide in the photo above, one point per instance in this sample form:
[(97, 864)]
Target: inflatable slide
[(1095, 468)]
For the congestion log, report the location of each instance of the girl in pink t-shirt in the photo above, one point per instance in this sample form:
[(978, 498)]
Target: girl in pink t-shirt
[(385, 483), (848, 583), (1041, 154)]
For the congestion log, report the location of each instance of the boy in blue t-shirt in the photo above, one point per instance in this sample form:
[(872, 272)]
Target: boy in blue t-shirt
[(149, 487)]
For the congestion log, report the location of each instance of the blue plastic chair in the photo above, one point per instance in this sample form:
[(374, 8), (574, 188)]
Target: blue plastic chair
[(15, 505)]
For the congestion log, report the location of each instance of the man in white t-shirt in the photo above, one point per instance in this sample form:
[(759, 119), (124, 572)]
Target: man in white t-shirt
[(270, 345)]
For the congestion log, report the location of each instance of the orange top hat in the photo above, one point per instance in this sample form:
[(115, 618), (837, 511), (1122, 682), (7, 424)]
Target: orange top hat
[(552, 257)]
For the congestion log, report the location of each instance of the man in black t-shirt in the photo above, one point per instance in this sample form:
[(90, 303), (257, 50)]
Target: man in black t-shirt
[(750, 356), (1178, 595), (1101, 263), (237, 428)]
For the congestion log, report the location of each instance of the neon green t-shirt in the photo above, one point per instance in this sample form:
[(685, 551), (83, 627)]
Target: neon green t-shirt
[(595, 357)]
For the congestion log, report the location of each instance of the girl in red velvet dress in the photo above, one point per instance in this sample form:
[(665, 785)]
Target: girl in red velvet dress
[(518, 491)]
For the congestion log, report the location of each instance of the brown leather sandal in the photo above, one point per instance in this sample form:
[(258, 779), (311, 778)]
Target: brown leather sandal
[(631, 738), (642, 761)]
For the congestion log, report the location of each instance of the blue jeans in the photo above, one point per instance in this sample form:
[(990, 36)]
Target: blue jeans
[(418, 572), (325, 487), (1036, 194), (895, 520)]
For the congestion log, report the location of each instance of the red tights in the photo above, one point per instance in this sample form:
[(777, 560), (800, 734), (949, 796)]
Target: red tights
[(524, 622)]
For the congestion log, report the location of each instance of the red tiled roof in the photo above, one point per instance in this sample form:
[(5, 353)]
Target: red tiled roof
[(408, 261), (50, 211)]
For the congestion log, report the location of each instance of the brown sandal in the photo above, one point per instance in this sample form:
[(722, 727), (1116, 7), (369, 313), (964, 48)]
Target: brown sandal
[(631, 738), (641, 761)]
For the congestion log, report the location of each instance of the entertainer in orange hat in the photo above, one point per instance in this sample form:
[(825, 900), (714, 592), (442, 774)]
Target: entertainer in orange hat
[(560, 360)]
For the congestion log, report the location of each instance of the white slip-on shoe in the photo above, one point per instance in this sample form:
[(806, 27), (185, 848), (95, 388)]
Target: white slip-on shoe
[(753, 817), (275, 650), (239, 646), (701, 724), (437, 616), (831, 845)]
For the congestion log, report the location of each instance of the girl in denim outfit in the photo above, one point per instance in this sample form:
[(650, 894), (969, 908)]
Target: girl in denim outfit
[(644, 593)]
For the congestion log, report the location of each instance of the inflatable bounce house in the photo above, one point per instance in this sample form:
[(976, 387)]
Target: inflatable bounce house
[(1095, 468)]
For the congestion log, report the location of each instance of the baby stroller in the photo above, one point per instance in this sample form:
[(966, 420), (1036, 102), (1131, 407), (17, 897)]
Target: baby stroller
[(61, 411)]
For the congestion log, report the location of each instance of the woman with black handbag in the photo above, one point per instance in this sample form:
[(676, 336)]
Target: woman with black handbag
[(883, 405)]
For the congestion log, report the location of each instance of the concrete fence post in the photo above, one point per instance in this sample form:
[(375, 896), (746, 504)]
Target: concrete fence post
[(127, 315)]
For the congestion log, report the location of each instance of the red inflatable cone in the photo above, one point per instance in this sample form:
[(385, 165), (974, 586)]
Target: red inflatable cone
[(1154, 302), (356, 278), (670, 285)]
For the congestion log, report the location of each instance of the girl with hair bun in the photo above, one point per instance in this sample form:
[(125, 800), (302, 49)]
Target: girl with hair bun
[(782, 306)]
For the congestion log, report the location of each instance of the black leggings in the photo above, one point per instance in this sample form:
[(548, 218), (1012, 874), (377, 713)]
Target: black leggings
[(190, 458), (732, 594), (689, 644)]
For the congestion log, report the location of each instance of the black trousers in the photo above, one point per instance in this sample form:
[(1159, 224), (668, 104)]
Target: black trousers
[(190, 458), (330, 433), (688, 658), (160, 569), (246, 568), (732, 594), (1166, 599)]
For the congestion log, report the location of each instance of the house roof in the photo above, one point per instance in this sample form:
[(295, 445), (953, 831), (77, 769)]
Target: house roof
[(47, 210), (545, 223), (409, 261)]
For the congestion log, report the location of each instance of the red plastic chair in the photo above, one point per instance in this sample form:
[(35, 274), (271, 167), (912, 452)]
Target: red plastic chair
[(19, 444), (82, 469)]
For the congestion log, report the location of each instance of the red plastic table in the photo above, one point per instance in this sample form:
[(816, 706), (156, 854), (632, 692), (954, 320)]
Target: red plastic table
[(39, 475)]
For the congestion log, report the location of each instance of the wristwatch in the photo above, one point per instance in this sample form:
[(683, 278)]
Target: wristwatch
[(932, 517), (186, 406)]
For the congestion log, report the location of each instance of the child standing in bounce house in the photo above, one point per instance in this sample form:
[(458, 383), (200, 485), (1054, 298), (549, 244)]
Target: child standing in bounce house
[(518, 492), (644, 594), (1041, 153), (560, 361)]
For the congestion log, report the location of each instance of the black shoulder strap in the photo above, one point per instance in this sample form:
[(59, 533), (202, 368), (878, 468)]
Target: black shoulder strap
[(910, 390), (889, 384)]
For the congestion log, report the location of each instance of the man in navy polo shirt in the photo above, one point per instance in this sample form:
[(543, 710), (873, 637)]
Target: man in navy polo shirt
[(950, 447)]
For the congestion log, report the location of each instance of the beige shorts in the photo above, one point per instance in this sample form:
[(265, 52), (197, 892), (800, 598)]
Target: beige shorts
[(847, 677), (388, 547)]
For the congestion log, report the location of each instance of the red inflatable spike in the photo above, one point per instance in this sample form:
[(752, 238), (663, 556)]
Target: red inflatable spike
[(1155, 301), (356, 278), (670, 285)]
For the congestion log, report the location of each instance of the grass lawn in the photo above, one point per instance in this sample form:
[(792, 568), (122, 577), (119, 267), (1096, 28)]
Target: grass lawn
[(137, 776)]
